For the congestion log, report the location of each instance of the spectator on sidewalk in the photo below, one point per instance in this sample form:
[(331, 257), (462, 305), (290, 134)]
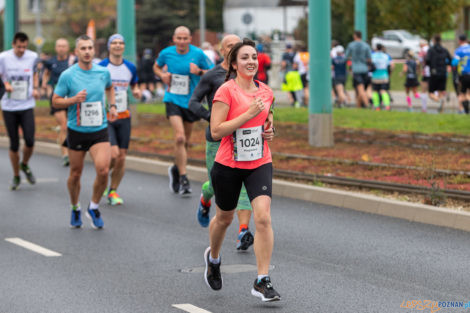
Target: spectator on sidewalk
[(292, 82)]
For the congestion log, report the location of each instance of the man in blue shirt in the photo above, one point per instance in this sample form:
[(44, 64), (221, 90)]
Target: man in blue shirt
[(461, 61), (185, 65), (360, 54), (81, 89)]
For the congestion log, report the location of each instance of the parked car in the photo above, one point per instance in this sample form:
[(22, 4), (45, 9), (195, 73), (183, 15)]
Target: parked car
[(397, 42)]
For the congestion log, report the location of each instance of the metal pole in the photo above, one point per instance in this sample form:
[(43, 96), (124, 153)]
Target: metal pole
[(319, 41), (9, 26), (126, 27), (202, 21), (37, 12), (360, 17)]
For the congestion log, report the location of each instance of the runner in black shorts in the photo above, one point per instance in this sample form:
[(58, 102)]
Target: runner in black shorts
[(123, 76), (240, 117), (53, 68), (18, 72), (81, 89), (185, 63)]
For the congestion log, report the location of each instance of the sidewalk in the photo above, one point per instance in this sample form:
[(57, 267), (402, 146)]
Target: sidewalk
[(398, 104)]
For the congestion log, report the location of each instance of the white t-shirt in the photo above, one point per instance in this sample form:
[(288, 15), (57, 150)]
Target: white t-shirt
[(19, 73)]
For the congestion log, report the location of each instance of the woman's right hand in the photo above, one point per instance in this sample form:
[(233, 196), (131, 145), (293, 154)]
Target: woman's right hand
[(256, 107)]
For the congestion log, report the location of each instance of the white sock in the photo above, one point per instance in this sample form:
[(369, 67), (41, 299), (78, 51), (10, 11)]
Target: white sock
[(424, 101), (214, 261), (260, 277), (94, 206)]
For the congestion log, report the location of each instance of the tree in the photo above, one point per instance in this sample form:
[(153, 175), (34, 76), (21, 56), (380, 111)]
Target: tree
[(157, 19), (74, 16)]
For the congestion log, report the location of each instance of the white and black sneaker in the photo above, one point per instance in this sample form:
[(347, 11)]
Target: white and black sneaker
[(174, 176), (212, 274), (264, 290), (185, 187)]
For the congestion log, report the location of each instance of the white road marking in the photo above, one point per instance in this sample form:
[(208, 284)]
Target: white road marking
[(33, 247), (190, 308), (47, 180)]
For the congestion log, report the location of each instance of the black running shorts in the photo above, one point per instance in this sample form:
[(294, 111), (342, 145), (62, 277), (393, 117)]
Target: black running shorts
[(120, 132), (464, 83), (437, 83), (84, 141), (15, 119), (186, 115), (227, 183)]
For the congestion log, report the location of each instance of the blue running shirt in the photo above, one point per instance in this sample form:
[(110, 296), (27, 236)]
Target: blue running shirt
[(94, 81), (381, 62), (179, 64), (462, 54)]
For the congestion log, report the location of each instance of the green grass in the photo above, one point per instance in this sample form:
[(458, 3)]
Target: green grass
[(358, 119), (390, 121)]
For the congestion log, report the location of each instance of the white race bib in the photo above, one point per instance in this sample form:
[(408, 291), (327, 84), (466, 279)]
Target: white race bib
[(121, 100), (91, 114), (179, 84), (248, 144), (20, 90)]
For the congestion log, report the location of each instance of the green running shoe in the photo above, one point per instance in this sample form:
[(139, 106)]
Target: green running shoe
[(15, 183), (27, 171), (114, 199)]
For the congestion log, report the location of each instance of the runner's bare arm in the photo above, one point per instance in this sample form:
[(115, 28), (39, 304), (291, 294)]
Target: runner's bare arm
[(62, 103), (136, 91), (165, 76), (110, 95), (36, 85), (220, 127), (46, 75)]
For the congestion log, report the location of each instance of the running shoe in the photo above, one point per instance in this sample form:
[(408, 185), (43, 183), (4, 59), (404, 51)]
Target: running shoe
[(245, 239), (114, 198), (212, 273), (15, 183), (264, 290), (27, 171), (174, 176), (185, 187), (76, 219), (95, 217), (65, 161), (203, 212)]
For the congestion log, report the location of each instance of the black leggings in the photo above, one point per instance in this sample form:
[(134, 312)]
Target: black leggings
[(14, 119)]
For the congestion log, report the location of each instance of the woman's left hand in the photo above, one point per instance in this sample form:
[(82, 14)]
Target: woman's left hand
[(268, 133)]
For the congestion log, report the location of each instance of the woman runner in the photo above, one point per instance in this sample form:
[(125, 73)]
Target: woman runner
[(242, 118)]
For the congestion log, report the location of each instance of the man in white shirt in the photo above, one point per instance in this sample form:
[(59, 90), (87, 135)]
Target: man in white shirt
[(18, 72)]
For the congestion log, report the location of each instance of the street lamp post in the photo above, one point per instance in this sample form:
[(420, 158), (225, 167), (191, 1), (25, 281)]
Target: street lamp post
[(360, 17), (320, 124)]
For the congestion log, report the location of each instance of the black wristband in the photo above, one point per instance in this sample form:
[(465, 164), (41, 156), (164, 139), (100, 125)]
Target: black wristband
[(201, 72)]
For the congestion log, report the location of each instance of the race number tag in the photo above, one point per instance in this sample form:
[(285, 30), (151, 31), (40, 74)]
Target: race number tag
[(179, 84), (248, 144), (20, 90), (121, 100), (91, 114)]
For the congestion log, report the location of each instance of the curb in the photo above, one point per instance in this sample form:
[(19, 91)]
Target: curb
[(344, 199)]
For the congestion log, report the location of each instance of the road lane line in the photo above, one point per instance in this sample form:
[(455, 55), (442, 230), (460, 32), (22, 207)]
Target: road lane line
[(33, 247), (190, 308)]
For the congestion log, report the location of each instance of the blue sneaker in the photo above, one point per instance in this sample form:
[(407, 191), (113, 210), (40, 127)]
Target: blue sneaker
[(95, 217), (203, 212), (245, 239), (76, 219)]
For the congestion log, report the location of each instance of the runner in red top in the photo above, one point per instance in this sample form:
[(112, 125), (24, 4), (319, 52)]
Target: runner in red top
[(242, 118)]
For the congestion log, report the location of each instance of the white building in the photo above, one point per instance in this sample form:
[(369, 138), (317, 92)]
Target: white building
[(260, 17)]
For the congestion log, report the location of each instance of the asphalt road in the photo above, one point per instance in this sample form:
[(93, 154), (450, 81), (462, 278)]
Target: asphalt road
[(148, 257)]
